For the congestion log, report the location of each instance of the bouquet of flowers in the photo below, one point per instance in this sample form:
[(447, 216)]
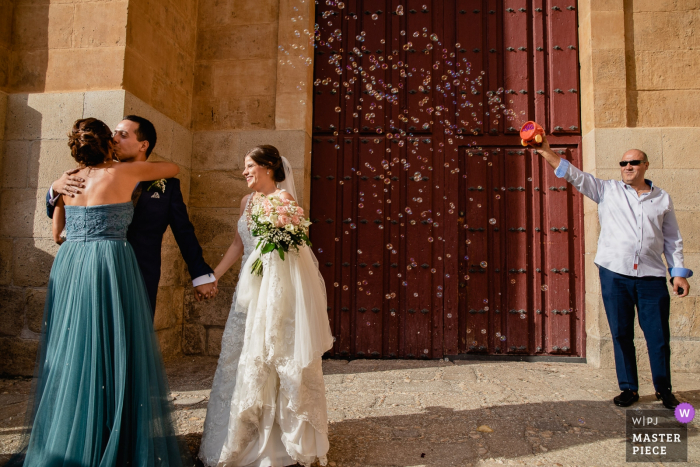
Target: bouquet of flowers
[(280, 225)]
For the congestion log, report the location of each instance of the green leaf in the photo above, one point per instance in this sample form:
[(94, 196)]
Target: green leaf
[(281, 252), (268, 248)]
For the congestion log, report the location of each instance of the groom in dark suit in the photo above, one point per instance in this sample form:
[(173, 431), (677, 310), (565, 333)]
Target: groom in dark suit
[(158, 204)]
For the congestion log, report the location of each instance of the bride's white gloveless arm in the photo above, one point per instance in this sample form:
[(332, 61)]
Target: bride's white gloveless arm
[(234, 252)]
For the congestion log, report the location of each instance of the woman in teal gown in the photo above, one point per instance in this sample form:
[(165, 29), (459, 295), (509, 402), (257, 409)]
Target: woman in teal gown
[(101, 393)]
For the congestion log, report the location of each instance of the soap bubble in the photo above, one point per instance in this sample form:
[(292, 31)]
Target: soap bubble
[(544, 288), (492, 221), (483, 264)]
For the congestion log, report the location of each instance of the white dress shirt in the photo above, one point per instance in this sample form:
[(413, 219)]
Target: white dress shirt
[(196, 282), (634, 230)]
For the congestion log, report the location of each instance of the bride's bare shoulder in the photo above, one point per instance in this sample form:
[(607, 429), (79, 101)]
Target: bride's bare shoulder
[(286, 195)]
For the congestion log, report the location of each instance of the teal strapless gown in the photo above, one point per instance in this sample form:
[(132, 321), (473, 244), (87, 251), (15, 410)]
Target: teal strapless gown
[(101, 393)]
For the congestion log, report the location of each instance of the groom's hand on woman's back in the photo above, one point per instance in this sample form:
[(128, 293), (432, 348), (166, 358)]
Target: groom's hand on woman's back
[(68, 184)]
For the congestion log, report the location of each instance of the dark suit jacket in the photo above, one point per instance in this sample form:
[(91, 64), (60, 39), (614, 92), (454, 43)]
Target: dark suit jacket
[(154, 212)]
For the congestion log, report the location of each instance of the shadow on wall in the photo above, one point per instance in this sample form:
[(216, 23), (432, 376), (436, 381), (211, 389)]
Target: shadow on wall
[(30, 38), (27, 250)]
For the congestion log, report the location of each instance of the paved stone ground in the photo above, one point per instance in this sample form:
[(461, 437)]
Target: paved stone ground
[(429, 413)]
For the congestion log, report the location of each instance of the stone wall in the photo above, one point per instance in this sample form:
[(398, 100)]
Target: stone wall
[(640, 90), (6, 8), (35, 154), (67, 46), (253, 85), (160, 52)]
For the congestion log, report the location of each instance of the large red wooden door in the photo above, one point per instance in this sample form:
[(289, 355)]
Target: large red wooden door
[(436, 232)]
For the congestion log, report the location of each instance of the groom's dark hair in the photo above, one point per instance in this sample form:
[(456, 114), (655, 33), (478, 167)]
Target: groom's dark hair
[(145, 131)]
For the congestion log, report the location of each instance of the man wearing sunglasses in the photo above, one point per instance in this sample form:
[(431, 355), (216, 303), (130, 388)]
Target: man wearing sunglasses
[(637, 225)]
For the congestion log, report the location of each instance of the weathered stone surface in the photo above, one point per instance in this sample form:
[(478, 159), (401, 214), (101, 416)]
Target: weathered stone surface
[(664, 69), (239, 78), (101, 68), (608, 67), (607, 29), (244, 42), (611, 144), (291, 144), (217, 150), (34, 310), (214, 335), (100, 24), (172, 266), (676, 108), (47, 116), (164, 125), (163, 318), (685, 317), (610, 108), (193, 339), (32, 261), (17, 211), (12, 311), (680, 148), (664, 30), (689, 223), (218, 189), (170, 341), (15, 167), (685, 355), (245, 113), (216, 227), (19, 356), (213, 13), (5, 261)]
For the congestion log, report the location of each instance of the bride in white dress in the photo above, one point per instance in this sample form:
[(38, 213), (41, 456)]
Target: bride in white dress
[(267, 405)]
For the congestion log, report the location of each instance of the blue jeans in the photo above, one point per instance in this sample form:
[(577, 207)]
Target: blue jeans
[(621, 294)]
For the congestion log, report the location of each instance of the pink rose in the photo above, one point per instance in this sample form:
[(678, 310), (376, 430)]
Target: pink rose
[(283, 220), (295, 220)]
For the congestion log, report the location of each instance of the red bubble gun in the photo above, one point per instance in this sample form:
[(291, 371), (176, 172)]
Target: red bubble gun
[(531, 133)]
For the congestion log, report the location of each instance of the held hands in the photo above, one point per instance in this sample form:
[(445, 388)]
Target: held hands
[(681, 282), (206, 291), (68, 184)]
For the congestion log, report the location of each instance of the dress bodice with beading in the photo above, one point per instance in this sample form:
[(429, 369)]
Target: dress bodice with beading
[(96, 223), (244, 232)]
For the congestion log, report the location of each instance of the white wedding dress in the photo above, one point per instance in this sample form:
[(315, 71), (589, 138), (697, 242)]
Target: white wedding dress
[(267, 405)]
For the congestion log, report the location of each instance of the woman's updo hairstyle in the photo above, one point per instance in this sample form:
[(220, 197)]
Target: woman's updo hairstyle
[(90, 141), (269, 157)]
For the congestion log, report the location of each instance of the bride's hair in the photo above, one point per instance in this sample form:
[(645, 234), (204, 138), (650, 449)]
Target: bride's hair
[(269, 157), (90, 141)]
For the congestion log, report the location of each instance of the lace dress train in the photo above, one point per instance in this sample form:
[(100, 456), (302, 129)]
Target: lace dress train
[(267, 405)]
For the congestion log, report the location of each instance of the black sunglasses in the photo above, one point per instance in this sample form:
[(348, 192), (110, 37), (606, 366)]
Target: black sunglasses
[(635, 163)]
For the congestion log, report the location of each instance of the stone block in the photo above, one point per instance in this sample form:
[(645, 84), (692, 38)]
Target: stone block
[(15, 164), (664, 30), (246, 113), (17, 211), (193, 339), (685, 317), (293, 111), (214, 335), (672, 70), (676, 108), (596, 320), (47, 116), (606, 5), (692, 261), (607, 29), (592, 280), (3, 115), (178, 304), (296, 79), (611, 144), (19, 356), (685, 355), (5, 261), (26, 70), (218, 189), (244, 42), (138, 76), (689, 223), (212, 312), (681, 185), (654, 6), (182, 146), (609, 108), (185, 177), (173, 101), (49, 158), (108, 106), (232, 79), (680, 148), (6, 10), (100, 68), (608, 66), (213, 13), (99, 24), (32, 261), (215, 227), (42, 26), (212, 256), (217, 150), (12, 311), (170, 342), (34, 311), (187, 8)]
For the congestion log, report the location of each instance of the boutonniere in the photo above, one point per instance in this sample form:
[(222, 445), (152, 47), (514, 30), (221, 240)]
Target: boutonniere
[(158, 184)]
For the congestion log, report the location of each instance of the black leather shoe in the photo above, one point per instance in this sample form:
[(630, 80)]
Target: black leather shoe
[(668, 400), (626, 398)]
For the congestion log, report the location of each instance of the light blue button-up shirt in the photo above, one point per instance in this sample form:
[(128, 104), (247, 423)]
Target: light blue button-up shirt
[(634, 230)]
